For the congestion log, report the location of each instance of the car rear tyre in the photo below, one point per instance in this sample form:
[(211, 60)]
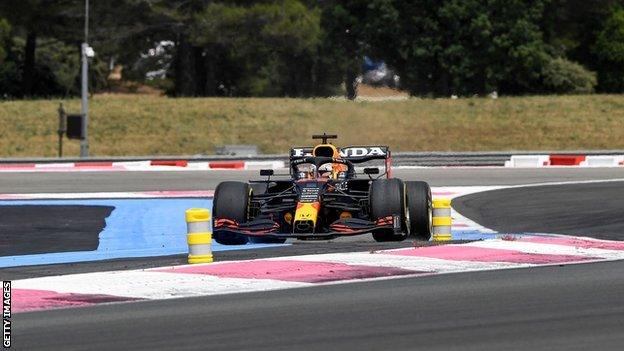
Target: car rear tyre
[(387, 198), (420, 211), (231, 201)]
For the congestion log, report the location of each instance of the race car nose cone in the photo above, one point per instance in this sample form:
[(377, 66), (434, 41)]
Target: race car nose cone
[(304, 226)]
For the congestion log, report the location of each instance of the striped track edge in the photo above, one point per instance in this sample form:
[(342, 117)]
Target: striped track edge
[(111, 195), (304, 271), (160, 165), (447, 192), (141, 166)]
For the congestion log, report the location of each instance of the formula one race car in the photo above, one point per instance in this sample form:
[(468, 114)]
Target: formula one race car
[(324, 198)]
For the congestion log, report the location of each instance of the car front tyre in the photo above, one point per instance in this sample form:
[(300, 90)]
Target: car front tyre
[(419, 208), (387, 198), (231, 201)]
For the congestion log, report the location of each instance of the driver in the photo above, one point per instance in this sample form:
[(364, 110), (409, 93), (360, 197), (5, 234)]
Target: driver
[(305, 172), (330, 170), (325, 171)]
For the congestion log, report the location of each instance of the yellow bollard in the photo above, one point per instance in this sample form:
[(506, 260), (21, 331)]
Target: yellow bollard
[(442, 220), (199, 237)]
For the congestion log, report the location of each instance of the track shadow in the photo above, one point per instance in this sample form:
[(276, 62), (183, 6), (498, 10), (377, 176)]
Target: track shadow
[(33, 229)]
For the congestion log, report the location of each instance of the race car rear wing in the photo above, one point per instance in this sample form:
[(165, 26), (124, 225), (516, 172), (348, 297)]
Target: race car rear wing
[(351, 153), (355, 154)]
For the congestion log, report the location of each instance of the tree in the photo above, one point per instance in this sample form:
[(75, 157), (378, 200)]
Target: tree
[(4, 35), (467, 46), (309, 47), (609, 49), (571, 28), (354, 29), (341, 20), (269, 48), (33, 18)]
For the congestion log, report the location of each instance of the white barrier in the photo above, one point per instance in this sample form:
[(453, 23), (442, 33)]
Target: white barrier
[(257, 165), (132, 164), (603, 161), (528, 161)]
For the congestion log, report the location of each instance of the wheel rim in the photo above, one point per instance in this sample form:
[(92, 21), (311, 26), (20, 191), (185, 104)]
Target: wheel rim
[(406, 214), (249, 203), (430, 214)]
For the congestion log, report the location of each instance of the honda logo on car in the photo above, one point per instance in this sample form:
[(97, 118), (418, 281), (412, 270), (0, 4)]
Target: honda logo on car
[(355, 151), (300, 152), (362, 151)]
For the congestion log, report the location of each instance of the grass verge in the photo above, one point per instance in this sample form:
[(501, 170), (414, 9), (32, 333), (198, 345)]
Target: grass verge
[(153, 125)]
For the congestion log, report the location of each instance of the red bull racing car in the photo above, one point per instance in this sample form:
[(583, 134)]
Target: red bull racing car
[(325, 196)]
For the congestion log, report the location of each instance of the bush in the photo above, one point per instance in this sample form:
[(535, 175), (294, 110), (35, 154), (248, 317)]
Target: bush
[(563, 76)]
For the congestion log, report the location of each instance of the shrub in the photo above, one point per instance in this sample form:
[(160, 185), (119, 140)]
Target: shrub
[(563, 76)]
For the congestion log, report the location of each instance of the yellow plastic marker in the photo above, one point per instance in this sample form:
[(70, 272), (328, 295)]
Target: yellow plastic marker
[(442, 220), (199, 236)]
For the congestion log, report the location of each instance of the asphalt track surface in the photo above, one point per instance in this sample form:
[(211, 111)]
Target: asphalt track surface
[(551, 308), (595, 209), (61, 182), (575, 307)]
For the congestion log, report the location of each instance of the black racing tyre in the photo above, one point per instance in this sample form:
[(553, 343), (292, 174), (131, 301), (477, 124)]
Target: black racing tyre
[(419, 209), (386, 198), (231, 201)]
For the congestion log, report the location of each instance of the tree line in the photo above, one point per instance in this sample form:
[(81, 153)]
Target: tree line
[(303, 48)]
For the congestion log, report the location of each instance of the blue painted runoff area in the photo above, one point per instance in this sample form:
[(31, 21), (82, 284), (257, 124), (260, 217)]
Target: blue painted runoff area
[(135, 228), (473, 234)]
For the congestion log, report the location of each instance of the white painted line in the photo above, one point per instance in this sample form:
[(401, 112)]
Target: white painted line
[(548, 249), (423, 264), (151, 285), (202, 280)]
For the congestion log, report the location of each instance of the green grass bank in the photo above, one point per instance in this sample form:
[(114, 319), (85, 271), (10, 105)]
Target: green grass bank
[(125, 125)]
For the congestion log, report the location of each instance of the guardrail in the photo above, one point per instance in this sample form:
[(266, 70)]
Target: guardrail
[(435, 158)]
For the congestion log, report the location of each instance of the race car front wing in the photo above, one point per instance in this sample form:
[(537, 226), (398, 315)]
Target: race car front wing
[(267, 227)]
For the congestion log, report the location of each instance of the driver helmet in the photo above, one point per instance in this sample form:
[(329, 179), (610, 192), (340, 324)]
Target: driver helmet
[(326, 171), (305, 172)]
